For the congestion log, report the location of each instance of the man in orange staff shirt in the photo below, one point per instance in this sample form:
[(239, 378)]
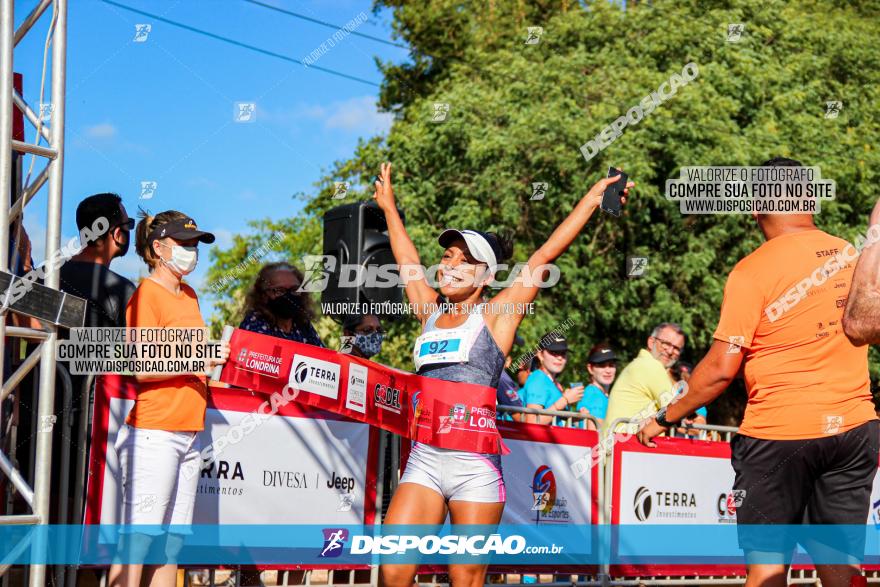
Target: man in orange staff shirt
[(807, 449)]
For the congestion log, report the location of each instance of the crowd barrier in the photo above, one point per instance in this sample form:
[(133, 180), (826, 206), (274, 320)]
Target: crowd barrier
[(329, 446), (321, 468)]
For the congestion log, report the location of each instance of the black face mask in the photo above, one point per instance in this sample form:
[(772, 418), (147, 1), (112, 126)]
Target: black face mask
[(286, 306), (123, 246)]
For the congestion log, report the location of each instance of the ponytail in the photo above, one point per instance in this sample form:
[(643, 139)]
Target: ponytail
[(147, 225)]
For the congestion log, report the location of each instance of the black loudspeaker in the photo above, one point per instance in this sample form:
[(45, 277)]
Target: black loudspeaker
[(356, 238)]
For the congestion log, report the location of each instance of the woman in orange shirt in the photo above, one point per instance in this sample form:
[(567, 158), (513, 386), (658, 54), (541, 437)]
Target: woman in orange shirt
[(158, 448)]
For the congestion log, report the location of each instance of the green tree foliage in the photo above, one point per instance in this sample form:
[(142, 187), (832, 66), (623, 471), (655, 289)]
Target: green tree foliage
[(519, 112)]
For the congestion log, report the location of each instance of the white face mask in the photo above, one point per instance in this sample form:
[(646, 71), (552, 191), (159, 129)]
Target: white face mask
[(183, 259)]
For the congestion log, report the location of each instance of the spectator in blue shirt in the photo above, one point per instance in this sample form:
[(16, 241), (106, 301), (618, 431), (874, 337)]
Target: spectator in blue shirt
[(508, 393), (681, 372), (602, 366), (542, 389)]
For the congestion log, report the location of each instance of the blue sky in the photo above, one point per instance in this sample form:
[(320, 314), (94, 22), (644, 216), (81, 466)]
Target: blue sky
[(163, 109)]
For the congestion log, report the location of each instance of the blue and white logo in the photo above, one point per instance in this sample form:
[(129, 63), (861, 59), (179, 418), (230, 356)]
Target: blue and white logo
[(334, 542)]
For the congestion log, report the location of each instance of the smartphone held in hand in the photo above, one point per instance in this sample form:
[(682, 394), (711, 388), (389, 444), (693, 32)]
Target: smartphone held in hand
[(613, 193)]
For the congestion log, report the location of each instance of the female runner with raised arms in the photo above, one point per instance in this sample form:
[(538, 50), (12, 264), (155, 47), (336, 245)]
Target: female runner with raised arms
[(469, 484)]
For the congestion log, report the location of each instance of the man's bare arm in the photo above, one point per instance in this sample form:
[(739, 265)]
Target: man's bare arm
[(711, 377), (861, 319)]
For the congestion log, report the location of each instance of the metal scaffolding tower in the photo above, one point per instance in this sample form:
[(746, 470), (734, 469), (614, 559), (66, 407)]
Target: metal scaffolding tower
[(38, 497)]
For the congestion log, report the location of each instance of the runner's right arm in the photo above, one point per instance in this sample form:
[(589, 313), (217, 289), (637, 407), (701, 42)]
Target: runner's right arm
[(711, 377), (420, 294)]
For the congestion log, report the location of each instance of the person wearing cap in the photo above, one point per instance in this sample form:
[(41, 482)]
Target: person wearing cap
[(602, 367), (158, 447), (463, 340), (645, 385), (88, 275), (543, 391)]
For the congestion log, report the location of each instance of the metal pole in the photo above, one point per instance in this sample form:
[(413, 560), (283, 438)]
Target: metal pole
[(380, 497), (53, 237), (85, 403), (33, 17), (23, 369), (7, 17), (19, 482), (66, 446), (569, 417), (28, 193)]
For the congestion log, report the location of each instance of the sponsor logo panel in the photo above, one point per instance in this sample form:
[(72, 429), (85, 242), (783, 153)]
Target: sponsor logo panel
[(356, 393), (315, 376)]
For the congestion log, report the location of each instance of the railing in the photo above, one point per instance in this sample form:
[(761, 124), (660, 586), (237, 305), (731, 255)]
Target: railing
[(569, 418), (387, 482)]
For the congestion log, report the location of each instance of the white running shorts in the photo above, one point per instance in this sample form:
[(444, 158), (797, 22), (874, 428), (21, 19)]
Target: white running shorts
[(456, 475)]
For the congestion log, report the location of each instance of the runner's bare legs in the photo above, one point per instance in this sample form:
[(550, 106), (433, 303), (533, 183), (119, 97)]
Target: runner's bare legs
[(766, 576), (412, 504), (470, 512)]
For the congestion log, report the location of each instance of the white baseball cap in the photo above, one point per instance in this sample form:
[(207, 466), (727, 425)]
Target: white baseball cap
[(481, 245)]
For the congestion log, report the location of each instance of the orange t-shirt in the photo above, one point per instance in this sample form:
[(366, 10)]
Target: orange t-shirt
[(178, 403), (804, 378)]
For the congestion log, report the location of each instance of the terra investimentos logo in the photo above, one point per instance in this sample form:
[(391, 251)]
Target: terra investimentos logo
[(679, 505), (642, 504), (315, 376)]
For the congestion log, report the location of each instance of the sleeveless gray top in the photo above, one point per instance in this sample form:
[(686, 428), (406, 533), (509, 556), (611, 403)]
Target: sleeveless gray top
[(485, 360)]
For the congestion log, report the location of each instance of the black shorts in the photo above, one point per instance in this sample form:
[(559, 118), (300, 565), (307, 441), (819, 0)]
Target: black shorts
[(825, 480)]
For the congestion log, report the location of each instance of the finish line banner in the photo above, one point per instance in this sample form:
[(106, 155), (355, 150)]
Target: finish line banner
[(457, 416)]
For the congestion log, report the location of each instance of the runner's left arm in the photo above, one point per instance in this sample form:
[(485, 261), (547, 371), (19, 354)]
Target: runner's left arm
[(861, 319), (503, 325)]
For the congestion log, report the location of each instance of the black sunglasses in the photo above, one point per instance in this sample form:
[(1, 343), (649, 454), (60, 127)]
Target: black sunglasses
[(280, 291)]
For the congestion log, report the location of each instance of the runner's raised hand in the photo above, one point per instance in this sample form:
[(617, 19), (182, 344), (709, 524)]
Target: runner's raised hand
[(594, 196), (384, 194)]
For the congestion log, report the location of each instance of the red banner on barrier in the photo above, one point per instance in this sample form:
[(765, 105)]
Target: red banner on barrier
[(458, 416)]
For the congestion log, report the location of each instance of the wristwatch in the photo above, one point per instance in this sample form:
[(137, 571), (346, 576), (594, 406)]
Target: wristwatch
[(660, 418)]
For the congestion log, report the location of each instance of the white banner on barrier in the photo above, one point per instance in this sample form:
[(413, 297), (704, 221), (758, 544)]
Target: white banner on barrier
[(541, 488), (287, 470), (657, 488)]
